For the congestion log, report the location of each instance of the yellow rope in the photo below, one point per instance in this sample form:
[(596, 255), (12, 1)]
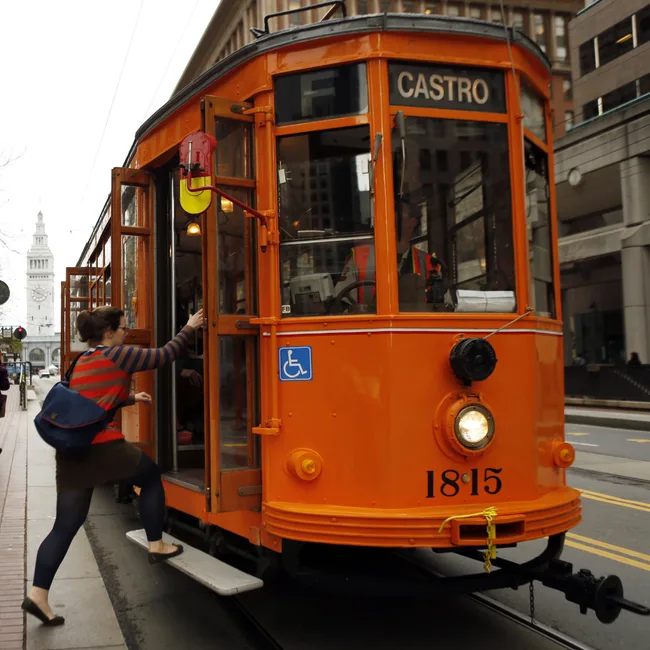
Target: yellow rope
[(489, 514)]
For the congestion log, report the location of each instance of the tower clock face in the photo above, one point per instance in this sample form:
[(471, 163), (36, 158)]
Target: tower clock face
[(39, 294)]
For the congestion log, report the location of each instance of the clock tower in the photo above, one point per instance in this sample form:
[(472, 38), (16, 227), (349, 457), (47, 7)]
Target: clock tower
[(40, 284)]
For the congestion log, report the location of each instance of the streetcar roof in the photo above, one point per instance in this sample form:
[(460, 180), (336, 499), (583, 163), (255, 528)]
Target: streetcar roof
[(429, 24), (383, 22)]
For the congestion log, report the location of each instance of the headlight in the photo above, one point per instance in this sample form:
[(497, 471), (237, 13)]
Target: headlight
[(474, 427)]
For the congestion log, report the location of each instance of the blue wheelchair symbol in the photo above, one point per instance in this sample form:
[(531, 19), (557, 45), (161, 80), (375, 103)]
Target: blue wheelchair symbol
[(295, 364)]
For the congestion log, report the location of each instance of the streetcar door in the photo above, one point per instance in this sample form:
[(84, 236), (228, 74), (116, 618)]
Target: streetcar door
[(75, 298), (131, 270), (229, 265)]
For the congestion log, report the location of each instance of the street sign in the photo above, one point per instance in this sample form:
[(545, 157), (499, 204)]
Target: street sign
[(295, 364), (4, 292)]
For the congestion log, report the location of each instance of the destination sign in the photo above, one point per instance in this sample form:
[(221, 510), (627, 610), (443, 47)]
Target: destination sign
[(432, 86)]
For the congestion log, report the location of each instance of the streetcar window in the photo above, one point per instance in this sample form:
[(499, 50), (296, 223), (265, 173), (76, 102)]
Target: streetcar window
[(321, 94), (326, 229), (453, 216), (234, 153), (532, 106), (538, 227)]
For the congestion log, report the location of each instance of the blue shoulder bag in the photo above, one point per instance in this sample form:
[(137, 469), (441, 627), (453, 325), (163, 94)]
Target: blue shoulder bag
[(68, 421)]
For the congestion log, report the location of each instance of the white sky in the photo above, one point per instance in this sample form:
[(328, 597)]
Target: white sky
[(61, 64)]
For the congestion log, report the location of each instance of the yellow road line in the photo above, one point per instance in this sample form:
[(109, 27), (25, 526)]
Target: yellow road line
[(611, 547), (610, 497), (638, 439), (572, 433), (617, 503), (609, 556), (614, 498)]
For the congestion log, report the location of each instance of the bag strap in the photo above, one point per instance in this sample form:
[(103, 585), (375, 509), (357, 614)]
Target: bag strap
[(68, 374)]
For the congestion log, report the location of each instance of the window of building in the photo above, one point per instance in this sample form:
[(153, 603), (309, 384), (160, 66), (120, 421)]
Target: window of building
[(644, 85), (408, 6), (590, 110), (495, 16), (587, 57), (518, 20), (567, 88), (540, 31), (615, 41), (386, 5), (568, 120), (643, 26), (561, 53), (476, 12), (362, 7), (431, 8), (453, 9), (295, 19), (621, 95)]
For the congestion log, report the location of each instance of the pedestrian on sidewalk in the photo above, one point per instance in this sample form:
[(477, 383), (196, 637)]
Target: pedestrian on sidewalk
[(103, 374), (4, 385)]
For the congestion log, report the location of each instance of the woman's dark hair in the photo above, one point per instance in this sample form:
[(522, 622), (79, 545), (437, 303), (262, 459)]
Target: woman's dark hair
[(92, 325)]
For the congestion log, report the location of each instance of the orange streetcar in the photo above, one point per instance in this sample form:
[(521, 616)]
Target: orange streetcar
[(365, 209)]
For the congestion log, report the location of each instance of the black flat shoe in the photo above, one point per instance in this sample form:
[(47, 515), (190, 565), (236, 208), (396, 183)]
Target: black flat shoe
[(32, 608), (154, 558)]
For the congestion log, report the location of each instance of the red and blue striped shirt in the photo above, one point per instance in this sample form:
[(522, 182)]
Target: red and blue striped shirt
[(104, 374)]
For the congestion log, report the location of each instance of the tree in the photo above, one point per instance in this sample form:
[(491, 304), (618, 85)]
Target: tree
[(5, 161)]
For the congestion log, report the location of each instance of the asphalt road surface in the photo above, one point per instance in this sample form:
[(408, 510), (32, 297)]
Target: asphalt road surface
[(624, 443)]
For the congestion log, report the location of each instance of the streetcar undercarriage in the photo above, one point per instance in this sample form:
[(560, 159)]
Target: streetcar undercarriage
[(361, 571)]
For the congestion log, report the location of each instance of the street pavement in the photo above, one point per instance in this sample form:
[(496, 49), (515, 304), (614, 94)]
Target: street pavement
[(160, 608), (621, 443)]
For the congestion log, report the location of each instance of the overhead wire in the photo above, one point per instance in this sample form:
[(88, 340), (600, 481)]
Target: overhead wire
[(108, 116), (171, 58)]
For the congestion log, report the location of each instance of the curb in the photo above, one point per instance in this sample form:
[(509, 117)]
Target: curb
[(613, 421)]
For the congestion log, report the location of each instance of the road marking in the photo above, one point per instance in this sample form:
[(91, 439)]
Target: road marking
[(609, 547), (572, 433), (610, 556), (638, 440), (585, 444), (612, 502), (613, 498)]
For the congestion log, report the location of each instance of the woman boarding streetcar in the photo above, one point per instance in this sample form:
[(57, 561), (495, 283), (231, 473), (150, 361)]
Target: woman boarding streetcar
[(103, 374)]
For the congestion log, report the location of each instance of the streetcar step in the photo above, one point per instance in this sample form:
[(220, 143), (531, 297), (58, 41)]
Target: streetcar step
[(210, 572)]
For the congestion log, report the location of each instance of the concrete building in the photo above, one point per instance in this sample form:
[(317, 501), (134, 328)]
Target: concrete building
[(546, 21), (603, 186)]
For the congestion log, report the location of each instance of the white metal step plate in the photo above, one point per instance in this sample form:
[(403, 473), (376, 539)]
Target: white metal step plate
[(209, 571)]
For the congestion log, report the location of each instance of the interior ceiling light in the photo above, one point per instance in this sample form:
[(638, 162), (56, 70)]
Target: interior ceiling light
[(627, 37), (193, 229)]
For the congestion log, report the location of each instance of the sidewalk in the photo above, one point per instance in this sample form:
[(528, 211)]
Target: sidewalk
[(27, 477), (616, 419)]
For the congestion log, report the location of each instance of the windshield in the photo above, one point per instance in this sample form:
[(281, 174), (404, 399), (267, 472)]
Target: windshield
[(326, 229), (453, 216)]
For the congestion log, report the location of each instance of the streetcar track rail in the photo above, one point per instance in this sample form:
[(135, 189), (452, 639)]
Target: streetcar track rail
[(259, 637), (561, 639)]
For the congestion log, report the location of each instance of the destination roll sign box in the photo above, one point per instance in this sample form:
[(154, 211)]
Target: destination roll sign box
[(465, 89)]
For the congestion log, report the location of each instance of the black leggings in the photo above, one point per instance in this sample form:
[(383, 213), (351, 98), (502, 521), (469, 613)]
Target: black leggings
[(72, 509)]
